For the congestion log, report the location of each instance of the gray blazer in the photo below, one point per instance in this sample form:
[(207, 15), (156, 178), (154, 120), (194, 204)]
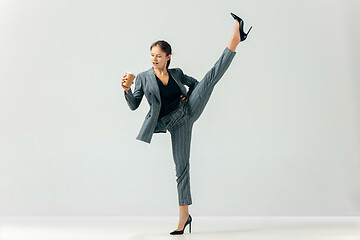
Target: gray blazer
[(146, 83)]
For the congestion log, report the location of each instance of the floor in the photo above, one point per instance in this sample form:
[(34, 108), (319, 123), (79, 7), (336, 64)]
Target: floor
[(146, 228)]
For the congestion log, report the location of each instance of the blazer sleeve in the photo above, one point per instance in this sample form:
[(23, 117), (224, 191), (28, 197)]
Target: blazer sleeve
[(189, 81), (134, 99)]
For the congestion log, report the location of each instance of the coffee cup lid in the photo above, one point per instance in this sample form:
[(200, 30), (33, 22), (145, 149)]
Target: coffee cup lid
[(130, 73)]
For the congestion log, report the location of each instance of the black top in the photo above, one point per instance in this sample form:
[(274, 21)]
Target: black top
[(170, 96)]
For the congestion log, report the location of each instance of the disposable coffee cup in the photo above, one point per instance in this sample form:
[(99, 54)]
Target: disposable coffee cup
[(130, 79)]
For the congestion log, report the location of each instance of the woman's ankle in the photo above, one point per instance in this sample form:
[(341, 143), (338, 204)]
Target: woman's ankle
[(232, 46)]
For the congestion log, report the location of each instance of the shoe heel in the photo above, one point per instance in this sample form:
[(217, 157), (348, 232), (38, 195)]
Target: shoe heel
[(190, 228), (249, 30)]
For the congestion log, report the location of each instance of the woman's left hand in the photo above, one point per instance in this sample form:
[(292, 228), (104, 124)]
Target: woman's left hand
[(183, 98)]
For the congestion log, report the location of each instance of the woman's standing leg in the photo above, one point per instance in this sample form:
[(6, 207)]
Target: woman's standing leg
[(201, 94), (181, 142)]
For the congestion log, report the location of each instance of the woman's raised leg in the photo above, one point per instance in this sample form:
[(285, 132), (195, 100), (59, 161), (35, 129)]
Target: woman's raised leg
[(202, 92)]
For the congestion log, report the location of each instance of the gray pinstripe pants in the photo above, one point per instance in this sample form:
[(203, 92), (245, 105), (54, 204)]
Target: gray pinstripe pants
[(180, 123)]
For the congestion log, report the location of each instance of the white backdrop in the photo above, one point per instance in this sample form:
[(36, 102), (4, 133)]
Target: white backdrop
[(280, 134)]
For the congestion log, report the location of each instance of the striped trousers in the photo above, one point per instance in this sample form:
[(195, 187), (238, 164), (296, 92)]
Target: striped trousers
[(180, 123)]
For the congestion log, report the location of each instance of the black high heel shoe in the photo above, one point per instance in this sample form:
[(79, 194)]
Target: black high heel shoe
[(243, 35), (188, 221)]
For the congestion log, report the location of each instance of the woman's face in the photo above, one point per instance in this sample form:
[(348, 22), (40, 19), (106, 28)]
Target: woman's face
[(158, 58)]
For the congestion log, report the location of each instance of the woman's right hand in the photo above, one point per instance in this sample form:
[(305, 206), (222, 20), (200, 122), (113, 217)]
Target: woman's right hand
[(124, 78)]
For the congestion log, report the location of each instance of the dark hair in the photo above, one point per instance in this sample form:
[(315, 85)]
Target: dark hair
[(165, 46)]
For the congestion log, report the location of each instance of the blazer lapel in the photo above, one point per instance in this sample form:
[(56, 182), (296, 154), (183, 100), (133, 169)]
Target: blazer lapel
[(153, 85), (176, 77)]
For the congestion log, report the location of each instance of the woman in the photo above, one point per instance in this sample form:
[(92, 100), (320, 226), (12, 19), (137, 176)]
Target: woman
[(174, 109)]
